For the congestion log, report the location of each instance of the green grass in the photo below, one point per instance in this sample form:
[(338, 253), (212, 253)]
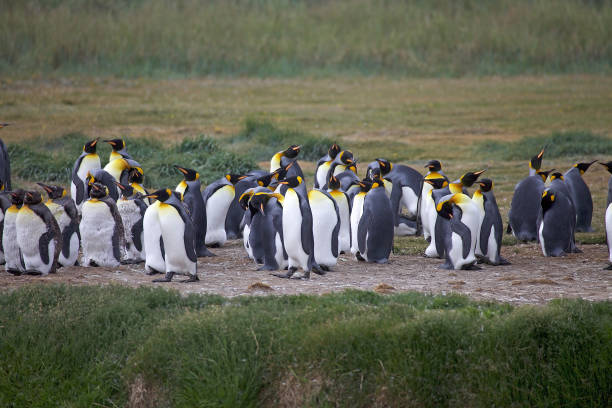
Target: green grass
[(83, 346), (580, 145), (289, 38)]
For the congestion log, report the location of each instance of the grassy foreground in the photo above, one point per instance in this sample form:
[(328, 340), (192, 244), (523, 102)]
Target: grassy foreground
[(112, 346)]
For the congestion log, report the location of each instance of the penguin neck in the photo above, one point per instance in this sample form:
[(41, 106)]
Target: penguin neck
[(115, 155), (433, 175), (455, 188), (478, 198), (532, 171), (275, 162), (182, 187)]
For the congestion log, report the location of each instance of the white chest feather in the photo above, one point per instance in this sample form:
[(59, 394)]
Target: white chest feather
[(97, 229), (152, 235), (324, 220), (216, 211), (173, 233), (9, 239), (292, 229), (30, 227), (356, 213), (89, 163)]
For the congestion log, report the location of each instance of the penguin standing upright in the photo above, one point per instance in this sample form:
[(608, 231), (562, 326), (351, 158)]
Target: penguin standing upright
[(189, 188), (489, 238), (608, 214), (284, 157), (67, 216), (103, 177), (299, 242), (12, 253), (218, 197), (525, 206), (562, 192), (102, 233), (5, 203), (235, 212), (457, 230), (5, 163), (326, 226), (132, 208), (153, 243), (38, 235), (266, 231), (344, 210), (245, 223), (119, 150), (87, 162), (179, 236), (375, 229), (323, 165), (357, 212), (425, 202), (555, 230), (580, 195), (428, 207)]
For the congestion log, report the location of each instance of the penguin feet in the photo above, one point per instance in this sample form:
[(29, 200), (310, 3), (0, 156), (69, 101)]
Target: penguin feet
[(204, 252), (151, 272), (17, 272), (214, 245), (301, 275), (359, 257), (608, 268), (503, 261), (32, 272), (576, 250), (93, 264), (192, 278), (324, 268), (167, 278), (131, 261), (289, 274), (268, 268), (471, 267), (382, 261)]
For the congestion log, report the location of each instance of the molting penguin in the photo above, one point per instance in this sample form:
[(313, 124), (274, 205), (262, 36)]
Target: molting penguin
[(102, 233), (326, 227), (266, 231), (299, 242), (189, 188), (38, 235), (132, 208), (5, 163), (87, 162), (119, 151), (555, 230), (283, 158), (178, 234), (580, 195), (375, 228), (136, 181), (489, 238), (218, 197), (12, 253), (344, 210), (323, 165), (525, 206), (608, 215), (106, 179), (457, 230), (67, 216)]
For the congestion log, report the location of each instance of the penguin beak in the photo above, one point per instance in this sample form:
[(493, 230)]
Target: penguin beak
[(297, 148), (119, 185), (478, 173), (541, 154), (95, 141), (45, 187), (261, 206), (181, 169), (110, 142)]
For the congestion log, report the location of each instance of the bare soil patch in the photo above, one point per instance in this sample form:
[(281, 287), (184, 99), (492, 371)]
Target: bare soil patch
[(531, 278)]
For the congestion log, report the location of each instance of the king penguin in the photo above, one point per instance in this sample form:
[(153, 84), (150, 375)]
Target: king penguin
[(178, 233), (266, 231), (5, 203), (375, 228), (608, 214), (38, 235), (153, 241), (344, 161), (189, 188), (298, 230), (12, 254), (580, 195), (434, 172), (323, 165), (325, 227), (218, 197), (489, 238), (87, 162), (235, 212), (284, 157), (357, 212), (67, 216), (555, 230), (102, 233), (131, 207), (344, 210), (428, 207), (562, 193), (119, 150)]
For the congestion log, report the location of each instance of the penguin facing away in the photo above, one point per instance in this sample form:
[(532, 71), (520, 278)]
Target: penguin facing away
[(38, 235), (132, 208), (102, 233), (235, 212), (608, 215), (218, 197), (375, 228), (178, 236), (65, 212), (266, 231), (326, 227), (555, 230), (86, 163), (525, 206), (12, 254), (580, 195), (489, 238)]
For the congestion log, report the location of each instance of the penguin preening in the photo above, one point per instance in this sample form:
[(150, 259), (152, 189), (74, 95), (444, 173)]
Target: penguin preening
[(375, 227), (132, 208), (556, 229), (86, 163), (284, 157), (38, 235), (66, 214), (101, 228), (235, 212), (177, 231), (218, 197), (489, 238), (322, 167), (580, 195), (12, 254)]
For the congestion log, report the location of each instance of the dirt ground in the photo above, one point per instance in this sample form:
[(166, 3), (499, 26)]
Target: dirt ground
[(530, 279)]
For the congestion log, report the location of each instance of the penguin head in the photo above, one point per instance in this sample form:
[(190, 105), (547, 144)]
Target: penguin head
[(608, 166), (162, 195), (469, 178), (583, 167), (244, 199), (281, 172), (90, 179), (189, 174), (116, 144), (548, 198), (127, 191), (333, 151), (90, 147), (136, 175), (266, 179), (353, 167), (53, 192), (445, 208), (544, 174), (32, 197), (433, 165), (536, 161), (17, 197), (98, 190), (557, 175), (385, 166), (485, 185), (258, 202), (334, 183), (292, 151), (234, 178), (292, 182), (3, 125), (346, 157), (437, 183), (365, 185)]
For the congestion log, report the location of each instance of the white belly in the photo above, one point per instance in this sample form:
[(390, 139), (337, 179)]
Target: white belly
[(173, 232), (216, 212), (410, 201), (492, 246), (608, 221), (63, 220), (355, 217), (97, 229), (541, 235), (9, 241), (324, 220), (30, 227), (130, 215), (280, 256), (344, 235), (322, 174), (292, 231), (152, 234), (246, 231)]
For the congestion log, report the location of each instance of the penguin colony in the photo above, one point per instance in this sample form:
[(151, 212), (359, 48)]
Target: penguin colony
[(110, 219)]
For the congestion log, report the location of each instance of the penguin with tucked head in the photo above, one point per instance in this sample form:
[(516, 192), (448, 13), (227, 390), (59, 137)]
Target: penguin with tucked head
[(428, 206), (132, 208), (189, 188), (357, 212), (375, 228), (266, 231), (489, 238), (119, 150), (38, 235), (608, 214), (218, 197), (284, 157), (120, 170), (86, 163), (555, 231), (235, 212), (136, 182), (103, 177), (326, 227), (344, 161), (178, 234), (102, 233), (525, 206), (298, 230), (580, 195), (323, 165), (348, 177), (12, 254), (457, 231), (344, 211), (65, 212)]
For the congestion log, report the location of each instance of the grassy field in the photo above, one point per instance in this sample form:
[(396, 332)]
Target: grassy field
[(292, 37), (114, 346)]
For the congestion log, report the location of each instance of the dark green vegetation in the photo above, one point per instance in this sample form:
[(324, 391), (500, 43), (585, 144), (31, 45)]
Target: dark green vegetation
[(82, 346), (51, 159), (288, 38)]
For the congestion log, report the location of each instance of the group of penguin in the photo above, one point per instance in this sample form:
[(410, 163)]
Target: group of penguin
[(110, 219)]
